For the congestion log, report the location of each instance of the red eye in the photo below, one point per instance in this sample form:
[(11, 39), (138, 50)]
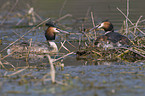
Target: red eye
[(57, 29)]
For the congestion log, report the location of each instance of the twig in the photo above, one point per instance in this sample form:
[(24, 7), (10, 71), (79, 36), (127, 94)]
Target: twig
[(97, 53), (130, 50), (64, 47), (7, 63), (130, 20), (127, 16), (17, 34), (19, 71), (63, 56), (52, 72), (35, 13), (20, 20), (85, 33), (71, 44), (87, 14), (93, 23), (80, 38), (61, 45), (7, 55), (137, 24), (67, 15), (38, 16), (25, 34), (2, 65), (29, 48)]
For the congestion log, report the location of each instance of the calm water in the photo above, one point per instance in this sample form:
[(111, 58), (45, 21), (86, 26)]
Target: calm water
[(87, 78)]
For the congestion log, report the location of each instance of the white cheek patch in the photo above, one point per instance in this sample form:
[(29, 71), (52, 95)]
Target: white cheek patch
[(55, 30), (102, 24)]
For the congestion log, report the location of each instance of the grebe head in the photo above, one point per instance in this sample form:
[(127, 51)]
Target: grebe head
[(51, 31), (50, 35), (106, 25)]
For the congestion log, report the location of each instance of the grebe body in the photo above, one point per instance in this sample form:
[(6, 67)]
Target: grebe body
[(110, 38), (38, 47)]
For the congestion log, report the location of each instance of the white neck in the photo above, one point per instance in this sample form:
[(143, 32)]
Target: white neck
[(53, 45), (108, 32)]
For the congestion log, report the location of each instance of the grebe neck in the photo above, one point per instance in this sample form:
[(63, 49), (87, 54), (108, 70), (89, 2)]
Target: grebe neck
[(53, 45)]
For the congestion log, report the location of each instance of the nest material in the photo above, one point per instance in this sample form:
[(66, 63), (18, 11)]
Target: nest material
[(129, 54)]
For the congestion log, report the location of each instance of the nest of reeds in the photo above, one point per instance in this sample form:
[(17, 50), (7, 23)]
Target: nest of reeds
[(129, 53), (96, 53)]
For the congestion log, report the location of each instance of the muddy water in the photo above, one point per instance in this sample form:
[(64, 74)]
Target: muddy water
[(83, 77)]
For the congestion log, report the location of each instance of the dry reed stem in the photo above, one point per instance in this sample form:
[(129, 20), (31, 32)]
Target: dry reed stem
[(27, 57), (38, 16), (93, 23), (63, 56), (130, 21), (17, 72), (30, 12), (7, 63), (64, 47), (7, 55), (21, 20), (17, 34), (35, 13), (52, 70), (85, 34), (25, 34), (2, 65), (97, 53), (127, 17), (87, 13), (137, 24), (9, 12), (94, 28), (61, 45), (142, 21), (80, 38), (121, 54), (130, 49), (63, 17), (71, 44), (33, 16)]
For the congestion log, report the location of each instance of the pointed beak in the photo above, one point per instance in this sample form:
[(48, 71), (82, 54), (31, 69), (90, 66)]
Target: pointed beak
[(63, 31), (98, 26)]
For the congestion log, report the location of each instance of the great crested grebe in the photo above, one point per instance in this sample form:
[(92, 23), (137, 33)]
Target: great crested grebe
[(110, 38), (50, 34)]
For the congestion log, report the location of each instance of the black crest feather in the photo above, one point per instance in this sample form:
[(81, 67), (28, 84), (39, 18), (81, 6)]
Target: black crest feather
[(50, 24)]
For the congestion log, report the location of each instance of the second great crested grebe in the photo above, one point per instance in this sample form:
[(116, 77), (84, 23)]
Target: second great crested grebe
[(50, 35), (110, 38)]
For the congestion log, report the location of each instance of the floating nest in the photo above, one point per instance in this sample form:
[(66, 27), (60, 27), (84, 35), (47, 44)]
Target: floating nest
[(96, 53)]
